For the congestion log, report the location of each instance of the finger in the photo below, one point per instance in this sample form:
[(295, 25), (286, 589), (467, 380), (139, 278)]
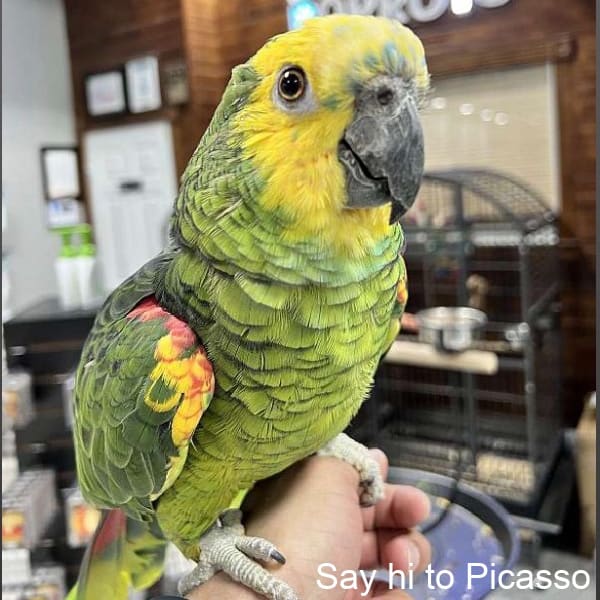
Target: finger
[(382, 460), (368, 513), (369, 555), (381, 591), (406, 550), (402, 507)]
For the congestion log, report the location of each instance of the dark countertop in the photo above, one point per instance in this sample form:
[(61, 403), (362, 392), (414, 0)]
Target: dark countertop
[(49, 309), (47, 339)]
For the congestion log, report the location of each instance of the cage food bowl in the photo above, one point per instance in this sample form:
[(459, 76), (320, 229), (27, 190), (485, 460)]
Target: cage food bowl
[(450, 329), (467, 530)]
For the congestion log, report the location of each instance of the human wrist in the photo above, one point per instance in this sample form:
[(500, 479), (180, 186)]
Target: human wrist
[(289, 510), (222, 587)]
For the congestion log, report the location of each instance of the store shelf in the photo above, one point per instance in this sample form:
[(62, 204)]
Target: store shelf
[(47, 342)]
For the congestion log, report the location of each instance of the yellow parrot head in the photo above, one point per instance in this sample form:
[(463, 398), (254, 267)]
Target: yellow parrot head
[(327, 115)]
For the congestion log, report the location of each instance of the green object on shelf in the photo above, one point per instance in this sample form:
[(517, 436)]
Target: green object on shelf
[(86, 247), (67, 249)]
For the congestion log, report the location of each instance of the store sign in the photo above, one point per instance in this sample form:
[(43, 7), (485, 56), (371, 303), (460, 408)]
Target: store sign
[(421, 11)]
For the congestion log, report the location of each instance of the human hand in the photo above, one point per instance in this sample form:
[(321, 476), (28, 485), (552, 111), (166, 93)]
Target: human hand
[(409, 323), (311, 513)]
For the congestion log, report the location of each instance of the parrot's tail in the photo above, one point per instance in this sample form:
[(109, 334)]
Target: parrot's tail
[(123, 553)]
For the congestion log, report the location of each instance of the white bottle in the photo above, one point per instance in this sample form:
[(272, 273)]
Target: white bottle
[(87, 276), (66, 272)]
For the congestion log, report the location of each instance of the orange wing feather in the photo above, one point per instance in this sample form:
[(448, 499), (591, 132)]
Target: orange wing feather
[(183, 364)]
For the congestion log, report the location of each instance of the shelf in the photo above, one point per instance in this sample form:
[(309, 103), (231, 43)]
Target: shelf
[(47, 341), (53, 547), (49, 309)]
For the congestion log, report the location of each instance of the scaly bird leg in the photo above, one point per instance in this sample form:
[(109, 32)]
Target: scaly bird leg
[(224, 547), (357, 455)]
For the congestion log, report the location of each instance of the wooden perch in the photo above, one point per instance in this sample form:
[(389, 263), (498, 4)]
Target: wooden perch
[(425, 355)]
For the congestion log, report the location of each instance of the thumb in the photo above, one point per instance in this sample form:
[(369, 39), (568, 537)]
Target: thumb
[(382, 460)]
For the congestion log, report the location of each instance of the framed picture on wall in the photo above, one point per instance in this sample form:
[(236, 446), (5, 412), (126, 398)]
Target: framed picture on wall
[(60, 172), (105, 93), (143, 84), (62, 189)]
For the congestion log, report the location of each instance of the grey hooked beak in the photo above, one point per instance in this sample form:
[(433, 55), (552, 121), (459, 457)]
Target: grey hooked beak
[(382, 149)]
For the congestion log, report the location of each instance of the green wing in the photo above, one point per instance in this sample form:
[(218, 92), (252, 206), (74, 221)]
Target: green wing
[(139, 368)]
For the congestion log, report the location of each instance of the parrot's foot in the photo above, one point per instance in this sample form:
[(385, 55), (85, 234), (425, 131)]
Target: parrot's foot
[(357, 455), (224, 547)]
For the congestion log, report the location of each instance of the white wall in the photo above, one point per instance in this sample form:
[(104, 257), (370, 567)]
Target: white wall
[(37, 110)]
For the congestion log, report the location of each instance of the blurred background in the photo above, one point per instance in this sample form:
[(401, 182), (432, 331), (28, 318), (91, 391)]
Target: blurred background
[(103, 103)]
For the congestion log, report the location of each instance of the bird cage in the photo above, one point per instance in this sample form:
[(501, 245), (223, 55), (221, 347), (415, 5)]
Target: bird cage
[(479, 238)]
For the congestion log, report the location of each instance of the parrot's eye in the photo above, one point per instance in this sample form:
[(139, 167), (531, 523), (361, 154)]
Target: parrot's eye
[(292, 84)]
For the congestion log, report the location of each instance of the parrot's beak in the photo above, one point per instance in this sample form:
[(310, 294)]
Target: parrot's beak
[(382, 149)]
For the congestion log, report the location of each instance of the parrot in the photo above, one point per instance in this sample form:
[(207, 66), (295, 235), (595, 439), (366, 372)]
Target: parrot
[(251, 340)]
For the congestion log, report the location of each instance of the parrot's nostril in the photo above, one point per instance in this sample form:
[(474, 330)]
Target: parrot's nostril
[(384, 96)]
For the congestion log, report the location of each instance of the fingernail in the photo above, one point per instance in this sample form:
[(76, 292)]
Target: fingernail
[(426, 506), (414, 556), (380, 457), (375, 452)]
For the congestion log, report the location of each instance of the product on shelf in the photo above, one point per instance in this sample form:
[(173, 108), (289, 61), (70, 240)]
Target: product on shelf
[(17, 404), (68, 390), (9, 443), (48, 582), (82, 519), (65, 266), (16, 567), (27, 508), (10, 463), (45, 583), (13, 525), (13, 592)]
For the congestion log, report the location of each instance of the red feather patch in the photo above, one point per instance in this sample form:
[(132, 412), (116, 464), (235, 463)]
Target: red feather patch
[(111, 528)]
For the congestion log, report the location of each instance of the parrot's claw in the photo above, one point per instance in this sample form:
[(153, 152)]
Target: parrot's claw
[(357, 455), (224, 547)]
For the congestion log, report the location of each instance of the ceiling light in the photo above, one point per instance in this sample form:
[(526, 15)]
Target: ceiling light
[(487, 115), (461, 7), (466, 109), (299, 11), (501, 118), (439, 103)]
